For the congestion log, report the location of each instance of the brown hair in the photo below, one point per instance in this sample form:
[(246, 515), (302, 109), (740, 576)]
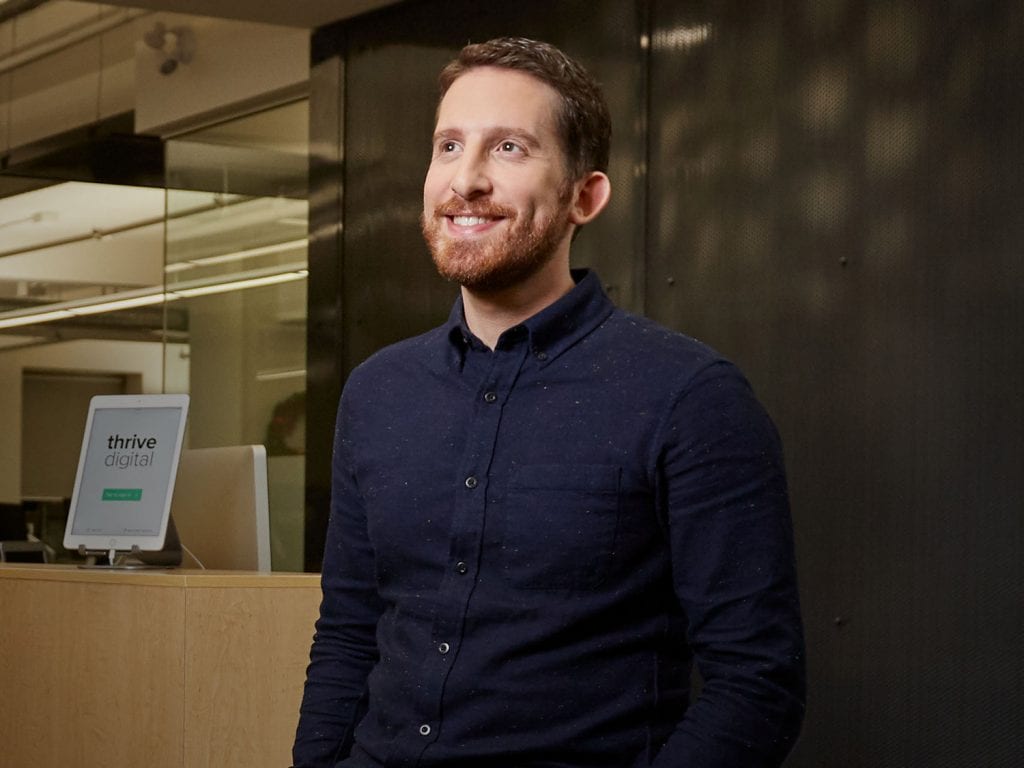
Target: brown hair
[(583, 120)]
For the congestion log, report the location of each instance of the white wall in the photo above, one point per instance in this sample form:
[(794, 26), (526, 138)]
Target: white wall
[(236, 66), (65, 65)]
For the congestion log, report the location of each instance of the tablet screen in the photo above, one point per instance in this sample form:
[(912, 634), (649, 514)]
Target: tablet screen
[(126, 472)]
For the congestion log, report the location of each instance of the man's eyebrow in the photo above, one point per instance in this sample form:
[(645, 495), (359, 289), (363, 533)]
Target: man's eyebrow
[(511, 132), (493, 133), (447, 133)]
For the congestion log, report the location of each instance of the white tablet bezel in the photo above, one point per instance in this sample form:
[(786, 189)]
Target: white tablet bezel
[(122, 542)]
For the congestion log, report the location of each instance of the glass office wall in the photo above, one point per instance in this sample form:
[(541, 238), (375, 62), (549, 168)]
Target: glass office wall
[(235, 266), (197, 288), (81, 294)]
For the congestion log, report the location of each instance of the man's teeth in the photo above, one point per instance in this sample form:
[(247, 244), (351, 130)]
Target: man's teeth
[(469, 221)]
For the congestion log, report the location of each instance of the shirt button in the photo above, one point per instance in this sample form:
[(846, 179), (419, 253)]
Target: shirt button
[(490, 397), (471, 482), (541, 355), (424, 730), (461, 567), (443, 648)]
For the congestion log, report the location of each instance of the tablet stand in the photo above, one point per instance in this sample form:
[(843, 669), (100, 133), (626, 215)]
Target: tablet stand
[(117, 560), (169, 556)]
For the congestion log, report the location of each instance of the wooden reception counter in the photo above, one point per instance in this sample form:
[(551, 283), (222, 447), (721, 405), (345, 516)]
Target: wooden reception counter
[(184, 669)]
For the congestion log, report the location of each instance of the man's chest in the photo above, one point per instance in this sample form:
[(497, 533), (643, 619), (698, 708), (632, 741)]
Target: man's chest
[(544, 481)]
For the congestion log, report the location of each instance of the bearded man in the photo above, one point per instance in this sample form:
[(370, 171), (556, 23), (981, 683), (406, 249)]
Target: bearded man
[(547, 509)]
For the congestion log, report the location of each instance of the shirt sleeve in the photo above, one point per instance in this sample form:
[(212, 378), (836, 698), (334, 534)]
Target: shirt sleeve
[(725, 498), (344, 645)]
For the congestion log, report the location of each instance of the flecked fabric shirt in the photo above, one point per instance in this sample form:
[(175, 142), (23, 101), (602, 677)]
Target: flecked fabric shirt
[(529, 547)]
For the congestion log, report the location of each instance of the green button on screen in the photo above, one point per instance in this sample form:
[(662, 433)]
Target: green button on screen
[(122, 494)]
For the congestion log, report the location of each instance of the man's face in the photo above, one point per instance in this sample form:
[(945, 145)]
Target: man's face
[(496, 198)]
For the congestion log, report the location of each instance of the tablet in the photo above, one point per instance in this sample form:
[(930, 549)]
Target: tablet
[(126, 471)]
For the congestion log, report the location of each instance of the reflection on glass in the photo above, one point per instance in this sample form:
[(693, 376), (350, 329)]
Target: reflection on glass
[(73, 249), (198, 289), (235, 263)]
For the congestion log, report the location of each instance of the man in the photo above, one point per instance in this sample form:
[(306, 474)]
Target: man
[(545, 509)]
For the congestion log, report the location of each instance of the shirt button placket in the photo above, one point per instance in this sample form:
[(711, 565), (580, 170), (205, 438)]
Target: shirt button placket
[(462, 567)]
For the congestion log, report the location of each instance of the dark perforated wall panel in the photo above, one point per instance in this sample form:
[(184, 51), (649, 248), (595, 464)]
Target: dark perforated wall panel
[(837, 205)]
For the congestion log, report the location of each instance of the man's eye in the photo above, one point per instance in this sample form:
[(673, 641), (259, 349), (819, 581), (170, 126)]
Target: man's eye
[(509, 146), (447, 146)]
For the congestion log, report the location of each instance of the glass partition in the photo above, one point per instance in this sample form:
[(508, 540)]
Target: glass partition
[(81, 313), (235, 267)]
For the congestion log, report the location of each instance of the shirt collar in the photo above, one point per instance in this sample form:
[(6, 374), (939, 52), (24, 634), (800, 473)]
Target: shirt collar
[(551, 331)]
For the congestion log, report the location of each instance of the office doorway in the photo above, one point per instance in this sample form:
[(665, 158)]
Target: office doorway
[(54, 406)]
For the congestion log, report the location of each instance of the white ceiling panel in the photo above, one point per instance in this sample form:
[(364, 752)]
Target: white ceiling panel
[(289, 13), (73, 210)]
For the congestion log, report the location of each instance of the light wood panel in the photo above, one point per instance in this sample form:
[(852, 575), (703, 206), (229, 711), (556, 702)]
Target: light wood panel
[(249, 647), (180, 669)]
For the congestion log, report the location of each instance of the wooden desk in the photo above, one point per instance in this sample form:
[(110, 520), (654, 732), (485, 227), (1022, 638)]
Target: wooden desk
[(184, 669)]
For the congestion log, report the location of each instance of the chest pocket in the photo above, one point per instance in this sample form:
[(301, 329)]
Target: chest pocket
[(560, 525)]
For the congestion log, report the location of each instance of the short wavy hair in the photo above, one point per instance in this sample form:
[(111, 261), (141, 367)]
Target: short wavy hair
[(583, 120)]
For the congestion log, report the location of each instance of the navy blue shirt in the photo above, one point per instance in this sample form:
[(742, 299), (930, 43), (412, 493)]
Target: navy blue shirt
[(528, 547)]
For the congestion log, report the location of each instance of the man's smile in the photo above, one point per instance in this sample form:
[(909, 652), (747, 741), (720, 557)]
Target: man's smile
[(469, 221), (469, 224)]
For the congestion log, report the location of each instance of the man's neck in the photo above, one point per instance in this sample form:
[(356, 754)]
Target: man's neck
[(490, 314)]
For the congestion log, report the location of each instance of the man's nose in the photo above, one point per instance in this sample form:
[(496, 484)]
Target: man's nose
[(470, 178)]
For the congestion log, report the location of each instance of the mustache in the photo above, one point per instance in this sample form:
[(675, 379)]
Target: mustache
[(483, 209)]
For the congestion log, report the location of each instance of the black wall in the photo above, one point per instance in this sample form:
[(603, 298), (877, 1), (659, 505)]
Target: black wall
[(828, 192)]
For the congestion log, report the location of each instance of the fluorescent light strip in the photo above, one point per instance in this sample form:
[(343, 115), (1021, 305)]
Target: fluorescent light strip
[(21, 318), (115, 304), (41, 317), (239, 285), (297, 373), (263, 250)]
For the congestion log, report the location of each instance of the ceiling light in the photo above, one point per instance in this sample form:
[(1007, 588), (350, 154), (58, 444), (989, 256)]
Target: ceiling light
[(238, 285), (32, 318), (280, 375), (145, 297), (223, 258), (116, 304)]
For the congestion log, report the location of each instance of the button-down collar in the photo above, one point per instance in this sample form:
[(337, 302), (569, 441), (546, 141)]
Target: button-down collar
[(551, 331)]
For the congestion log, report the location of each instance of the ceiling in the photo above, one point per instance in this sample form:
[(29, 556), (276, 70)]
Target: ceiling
[(304, 13), (102, 239)]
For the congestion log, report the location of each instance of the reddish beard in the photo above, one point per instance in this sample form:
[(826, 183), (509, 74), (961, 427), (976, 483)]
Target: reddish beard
[(493, 264)]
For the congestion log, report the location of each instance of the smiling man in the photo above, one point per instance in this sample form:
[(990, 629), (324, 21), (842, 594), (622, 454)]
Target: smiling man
[(546, 510), (500, 201)]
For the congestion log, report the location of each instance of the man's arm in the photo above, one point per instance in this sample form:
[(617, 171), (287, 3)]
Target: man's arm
[(734, 575), (344, 646)]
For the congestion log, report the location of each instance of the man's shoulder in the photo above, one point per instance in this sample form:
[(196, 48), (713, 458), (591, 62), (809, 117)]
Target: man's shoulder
[(650, 343), (409, 353)]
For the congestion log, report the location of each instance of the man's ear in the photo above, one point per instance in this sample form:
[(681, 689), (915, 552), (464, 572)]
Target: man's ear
[(592, 195)]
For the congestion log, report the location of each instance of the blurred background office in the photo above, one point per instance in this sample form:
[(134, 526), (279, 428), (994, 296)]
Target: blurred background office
[(221, 198)]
